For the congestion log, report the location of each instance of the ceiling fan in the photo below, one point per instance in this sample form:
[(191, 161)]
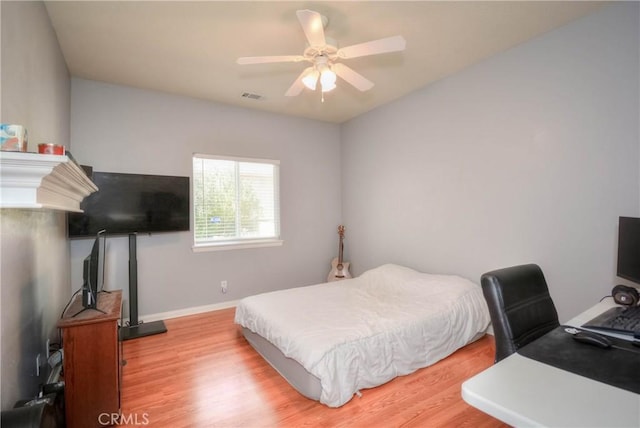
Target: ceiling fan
[(323, 54)]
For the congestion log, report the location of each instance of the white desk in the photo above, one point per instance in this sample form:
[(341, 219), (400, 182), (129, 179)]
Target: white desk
[(523, 392)]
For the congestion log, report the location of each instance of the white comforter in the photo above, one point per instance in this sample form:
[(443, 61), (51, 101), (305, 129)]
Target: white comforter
[(363, 332)]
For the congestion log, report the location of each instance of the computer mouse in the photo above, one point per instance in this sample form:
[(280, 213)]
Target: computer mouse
[(594, 339)]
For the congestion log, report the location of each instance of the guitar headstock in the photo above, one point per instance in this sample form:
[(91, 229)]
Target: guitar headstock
[(341, 231)]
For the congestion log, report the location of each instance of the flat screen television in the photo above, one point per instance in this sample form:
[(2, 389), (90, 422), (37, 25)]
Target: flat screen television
[(133, 203), (629, 248), (93, 272)]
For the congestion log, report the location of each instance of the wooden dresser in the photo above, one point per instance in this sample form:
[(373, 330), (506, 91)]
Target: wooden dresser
[(92, 361)]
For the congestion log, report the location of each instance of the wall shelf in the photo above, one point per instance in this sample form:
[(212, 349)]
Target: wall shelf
[(33, 180)]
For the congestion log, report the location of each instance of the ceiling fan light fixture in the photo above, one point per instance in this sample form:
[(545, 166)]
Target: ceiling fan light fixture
[(327, 79), (310, 79), (327, 88)]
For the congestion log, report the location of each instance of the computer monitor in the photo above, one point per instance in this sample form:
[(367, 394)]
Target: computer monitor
[(629, 249), (93, 272)]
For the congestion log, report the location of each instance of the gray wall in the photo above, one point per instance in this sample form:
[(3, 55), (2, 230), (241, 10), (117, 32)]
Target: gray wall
[(121, 129), (529, 156), (34, 262)]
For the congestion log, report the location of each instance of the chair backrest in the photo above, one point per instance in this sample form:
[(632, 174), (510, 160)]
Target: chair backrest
[(520, 306)]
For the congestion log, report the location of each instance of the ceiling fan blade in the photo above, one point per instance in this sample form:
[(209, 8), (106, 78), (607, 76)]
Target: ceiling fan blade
[(269, 59), (312, 26), (374, 47), (356, 79), (297, 86)]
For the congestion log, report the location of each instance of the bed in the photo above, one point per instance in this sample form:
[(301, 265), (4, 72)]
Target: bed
[(332, 340)]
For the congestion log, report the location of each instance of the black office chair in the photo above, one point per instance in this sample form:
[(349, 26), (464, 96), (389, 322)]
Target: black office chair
[(520, 306)]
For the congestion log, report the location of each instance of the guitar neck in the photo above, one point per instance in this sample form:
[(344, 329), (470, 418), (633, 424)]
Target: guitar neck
[(340, 245)]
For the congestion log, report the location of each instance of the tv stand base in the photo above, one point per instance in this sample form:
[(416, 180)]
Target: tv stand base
[(142, 329), (86, 309)]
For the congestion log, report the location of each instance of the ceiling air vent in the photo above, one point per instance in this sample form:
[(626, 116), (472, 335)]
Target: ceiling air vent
[(252, 96)]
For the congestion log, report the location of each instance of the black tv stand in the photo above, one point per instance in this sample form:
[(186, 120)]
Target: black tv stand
[(134, 328), (142, 329)]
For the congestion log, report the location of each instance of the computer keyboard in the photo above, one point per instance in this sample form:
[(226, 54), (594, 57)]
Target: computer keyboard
[(618, 320)]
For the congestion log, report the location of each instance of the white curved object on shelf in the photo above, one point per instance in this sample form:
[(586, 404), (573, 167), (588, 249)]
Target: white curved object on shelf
[(33, 180)]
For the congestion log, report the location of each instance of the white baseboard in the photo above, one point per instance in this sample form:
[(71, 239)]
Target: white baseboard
[(188, 311)]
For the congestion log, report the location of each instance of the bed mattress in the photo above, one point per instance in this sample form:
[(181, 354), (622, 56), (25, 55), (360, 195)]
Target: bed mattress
[(294, 373), (362, 332)]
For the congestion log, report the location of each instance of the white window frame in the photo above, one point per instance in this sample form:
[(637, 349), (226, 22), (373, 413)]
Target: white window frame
[(234, 244)]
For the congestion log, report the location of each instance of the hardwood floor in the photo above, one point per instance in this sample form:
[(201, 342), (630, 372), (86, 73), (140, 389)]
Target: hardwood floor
[(203, 373)]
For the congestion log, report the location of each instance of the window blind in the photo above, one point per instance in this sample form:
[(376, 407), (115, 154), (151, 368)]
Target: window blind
[(235, 200)]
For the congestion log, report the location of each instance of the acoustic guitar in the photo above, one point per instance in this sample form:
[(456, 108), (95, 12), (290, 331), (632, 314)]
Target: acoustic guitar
[(339, 268)]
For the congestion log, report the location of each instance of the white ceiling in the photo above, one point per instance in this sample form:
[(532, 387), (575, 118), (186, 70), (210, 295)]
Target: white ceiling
[(190, 48)]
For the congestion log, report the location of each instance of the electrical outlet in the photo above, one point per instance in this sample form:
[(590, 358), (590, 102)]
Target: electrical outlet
[(56, 358), (223, 286)]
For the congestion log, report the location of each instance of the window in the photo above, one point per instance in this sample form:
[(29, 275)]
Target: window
[(235, 202)]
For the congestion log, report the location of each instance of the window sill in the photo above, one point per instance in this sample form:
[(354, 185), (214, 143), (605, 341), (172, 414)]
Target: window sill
[(237, 245)]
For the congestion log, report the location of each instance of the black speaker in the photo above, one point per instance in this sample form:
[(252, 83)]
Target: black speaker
[(624, 295)]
